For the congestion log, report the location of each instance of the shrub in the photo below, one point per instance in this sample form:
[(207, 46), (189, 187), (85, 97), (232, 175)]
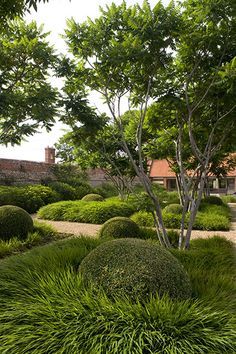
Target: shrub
[(87, 212), (172, 221), (106, 190), (14, 222), (30, 198), (229, 198), (143, 218), (140, 201), (135, 268), (174, 209), (92, 197), (119, 227), (65, 191), (212, 199), (212, 222)]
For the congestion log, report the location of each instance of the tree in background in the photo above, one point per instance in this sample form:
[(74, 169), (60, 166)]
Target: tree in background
[(27, 99)]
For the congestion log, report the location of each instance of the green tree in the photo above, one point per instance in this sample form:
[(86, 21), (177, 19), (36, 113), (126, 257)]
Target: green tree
[(27, 99), (121, 55)]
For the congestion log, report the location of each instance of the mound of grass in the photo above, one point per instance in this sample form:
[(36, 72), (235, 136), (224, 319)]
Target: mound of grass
[(40, 234), (229, 198), (46, 308), (135, 268), (86, 212), (174, 209)]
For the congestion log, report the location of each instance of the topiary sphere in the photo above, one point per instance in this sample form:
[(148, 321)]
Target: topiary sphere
[(93, 198), (174, 209), (120, 227), (213, 199), (135, 268), (14, 222)]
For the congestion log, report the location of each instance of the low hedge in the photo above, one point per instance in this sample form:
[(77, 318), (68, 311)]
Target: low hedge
[(119, 227), (135, 268), (86, 212)]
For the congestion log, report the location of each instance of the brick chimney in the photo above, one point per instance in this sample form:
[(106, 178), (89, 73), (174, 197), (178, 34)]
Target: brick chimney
[(50, 155)]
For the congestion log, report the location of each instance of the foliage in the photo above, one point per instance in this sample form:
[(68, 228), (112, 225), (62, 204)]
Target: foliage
[(87, 212), (40, 234), (135, 268), (14, 222), (30, 198), (211, 222), (210, 264), (229, 198), (174, 209), (119, 227), (64, 190), (28, 100), (49, 309), (107, 190), (212, 199), (92, 197), (143, 218)]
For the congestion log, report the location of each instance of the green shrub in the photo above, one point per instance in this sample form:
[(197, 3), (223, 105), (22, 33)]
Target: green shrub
[(87, 212), (106, 190), (212, 199), (14, 222), (30, 198), (174, 209), (172, 221), (143, 218), (65, 191), (119, 227), (135, 268), (140, 201), (93, 198), (229, 198), (211, 222)]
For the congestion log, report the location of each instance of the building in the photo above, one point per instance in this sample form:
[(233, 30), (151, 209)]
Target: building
[(160, 172)]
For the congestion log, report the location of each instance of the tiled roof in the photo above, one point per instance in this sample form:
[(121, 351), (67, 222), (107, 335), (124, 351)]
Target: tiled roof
[(160, 169)]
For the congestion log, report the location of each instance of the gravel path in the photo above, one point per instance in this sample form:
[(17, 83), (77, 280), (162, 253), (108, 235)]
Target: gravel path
[(91, 230)]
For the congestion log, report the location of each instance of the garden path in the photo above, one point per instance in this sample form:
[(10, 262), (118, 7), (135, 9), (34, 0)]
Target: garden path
[(75, 228)]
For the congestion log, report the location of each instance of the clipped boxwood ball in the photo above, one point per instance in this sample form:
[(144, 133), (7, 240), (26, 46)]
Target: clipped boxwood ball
[(120, 227), (135, 268), (93, 198), (14, 222), (174, 209)]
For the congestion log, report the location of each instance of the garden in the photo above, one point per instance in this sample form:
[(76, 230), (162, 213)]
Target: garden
[(143, 284), (121, 292)]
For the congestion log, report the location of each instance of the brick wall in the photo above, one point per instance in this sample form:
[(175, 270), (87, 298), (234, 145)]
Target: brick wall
[(20, 171)]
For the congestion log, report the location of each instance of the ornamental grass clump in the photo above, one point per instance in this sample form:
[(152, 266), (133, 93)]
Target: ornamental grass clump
[(119, 227), (14, 222), (137, 269)]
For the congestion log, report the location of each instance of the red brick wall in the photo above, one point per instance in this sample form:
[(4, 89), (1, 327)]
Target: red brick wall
[(20, 171)]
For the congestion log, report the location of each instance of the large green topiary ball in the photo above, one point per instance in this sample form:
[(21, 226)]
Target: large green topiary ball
[(174, 209), (120, 227), (135, 268), (93, 198), (14, 222)]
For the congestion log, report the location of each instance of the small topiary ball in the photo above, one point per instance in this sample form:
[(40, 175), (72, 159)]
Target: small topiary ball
[(135, 268), (174, 209), (120, 227), (93, 198), (213, 199), (14, 222)]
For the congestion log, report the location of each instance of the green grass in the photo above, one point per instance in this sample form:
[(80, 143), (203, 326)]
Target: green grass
[(87, 212), (41, 234), (45, 307)]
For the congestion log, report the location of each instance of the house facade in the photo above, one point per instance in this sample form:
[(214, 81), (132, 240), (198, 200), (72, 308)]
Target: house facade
[(160, 172)]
